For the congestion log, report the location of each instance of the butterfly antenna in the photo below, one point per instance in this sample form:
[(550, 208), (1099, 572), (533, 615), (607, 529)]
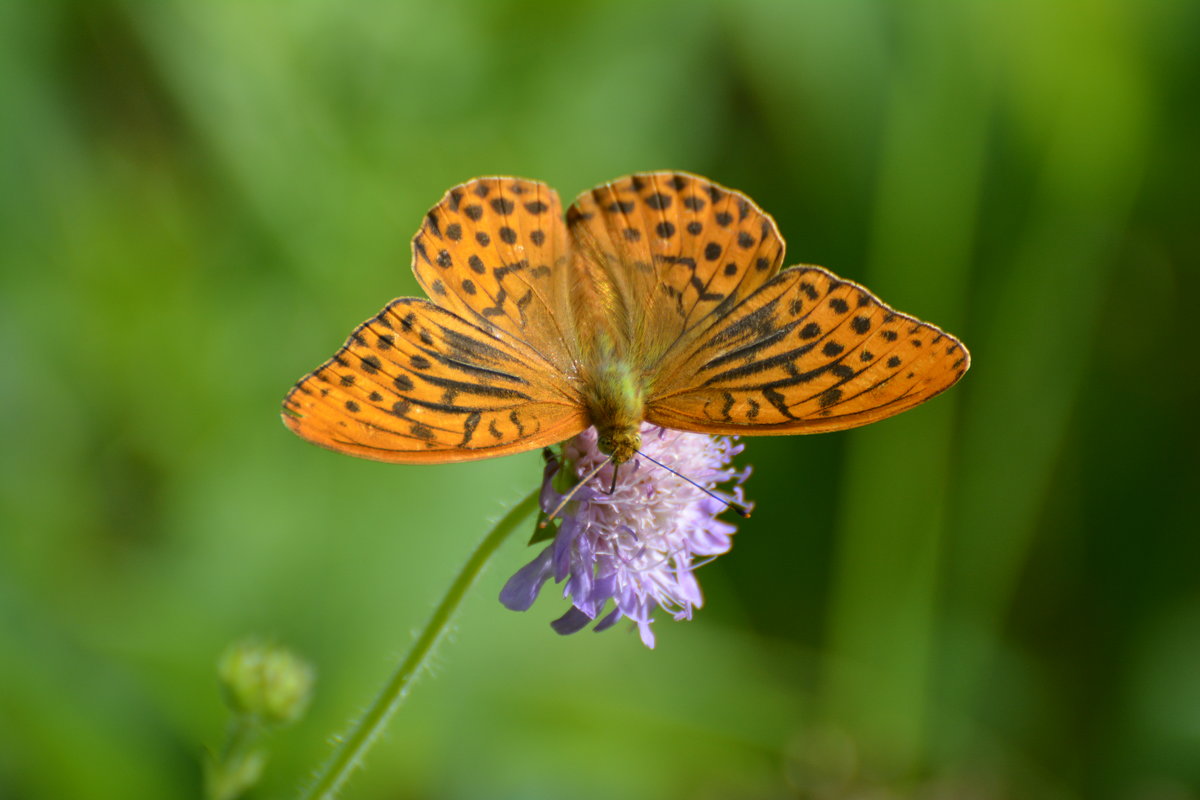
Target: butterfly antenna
[(567, 497), (737, 508)]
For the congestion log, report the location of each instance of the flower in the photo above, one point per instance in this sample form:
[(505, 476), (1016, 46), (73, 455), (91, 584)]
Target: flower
[(637, 546)]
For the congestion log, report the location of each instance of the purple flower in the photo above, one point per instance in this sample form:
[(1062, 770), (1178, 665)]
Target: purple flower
[(638, 546)]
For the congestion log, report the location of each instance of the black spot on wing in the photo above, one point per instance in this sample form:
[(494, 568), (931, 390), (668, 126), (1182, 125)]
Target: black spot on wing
[(726, 404), (828, 397), (469, 426), (777, 399), (515, 419)]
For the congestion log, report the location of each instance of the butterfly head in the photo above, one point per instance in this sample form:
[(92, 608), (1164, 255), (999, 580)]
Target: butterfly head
[(620, 443)]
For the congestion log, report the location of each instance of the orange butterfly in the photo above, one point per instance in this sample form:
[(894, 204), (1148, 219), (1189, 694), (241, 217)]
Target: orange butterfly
[(661, 299)]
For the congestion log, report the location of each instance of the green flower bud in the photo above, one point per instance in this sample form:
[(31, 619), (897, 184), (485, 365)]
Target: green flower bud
[(266, 681)]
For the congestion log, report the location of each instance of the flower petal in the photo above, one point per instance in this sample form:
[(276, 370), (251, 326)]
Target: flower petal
[(522, 589), (571, 622), (609, 620), (646, 634)]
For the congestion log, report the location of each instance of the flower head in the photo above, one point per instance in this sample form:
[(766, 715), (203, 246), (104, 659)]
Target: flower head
[(639, 545)]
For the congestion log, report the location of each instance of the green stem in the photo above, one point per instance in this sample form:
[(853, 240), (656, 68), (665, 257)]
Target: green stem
[(354, 746), (240, 763)]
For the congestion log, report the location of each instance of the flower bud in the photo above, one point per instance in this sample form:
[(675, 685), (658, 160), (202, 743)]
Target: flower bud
[(266, 681)]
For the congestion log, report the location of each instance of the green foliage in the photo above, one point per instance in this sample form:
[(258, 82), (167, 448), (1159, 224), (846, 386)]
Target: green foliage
[(994, 595)]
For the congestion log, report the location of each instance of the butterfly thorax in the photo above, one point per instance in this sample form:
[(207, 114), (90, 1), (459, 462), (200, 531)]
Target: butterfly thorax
[(614, 393)]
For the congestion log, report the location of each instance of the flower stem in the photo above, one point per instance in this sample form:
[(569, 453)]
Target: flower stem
[(354, 745), (239, 765)]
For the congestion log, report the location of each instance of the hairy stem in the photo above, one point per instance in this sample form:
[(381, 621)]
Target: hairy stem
[(355, 744)]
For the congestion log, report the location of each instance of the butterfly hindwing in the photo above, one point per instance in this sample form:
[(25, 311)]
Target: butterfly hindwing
[(417, 383), (809, 352)]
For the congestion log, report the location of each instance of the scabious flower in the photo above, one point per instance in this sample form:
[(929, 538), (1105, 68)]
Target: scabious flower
[(639, 545)]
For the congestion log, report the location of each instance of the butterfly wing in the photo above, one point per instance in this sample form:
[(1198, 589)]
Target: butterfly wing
[(419, 384), (666, 254), (479, 372), (494, 251), (807, 353)]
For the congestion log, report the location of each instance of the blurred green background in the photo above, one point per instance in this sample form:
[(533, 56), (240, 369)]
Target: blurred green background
[(995, 595)]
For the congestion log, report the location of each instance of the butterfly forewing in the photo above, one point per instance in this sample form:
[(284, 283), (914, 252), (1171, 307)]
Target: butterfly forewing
[(678, 251), (417, 383), (494, 251), (809, 352)]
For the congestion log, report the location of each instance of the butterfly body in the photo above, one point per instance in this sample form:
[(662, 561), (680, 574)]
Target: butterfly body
[(660, 299), (615, 399)]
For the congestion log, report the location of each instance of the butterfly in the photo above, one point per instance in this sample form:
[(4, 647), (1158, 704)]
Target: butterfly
[(659, 299)]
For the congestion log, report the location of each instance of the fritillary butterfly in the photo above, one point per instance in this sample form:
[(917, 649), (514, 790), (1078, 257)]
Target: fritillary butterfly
[(660, 299)]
